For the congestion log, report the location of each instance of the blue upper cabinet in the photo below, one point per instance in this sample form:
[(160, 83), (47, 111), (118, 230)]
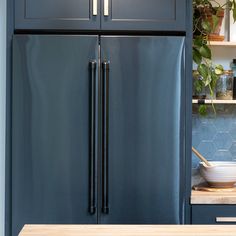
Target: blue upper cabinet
[(57, 14), (163, 15), (166, 15)]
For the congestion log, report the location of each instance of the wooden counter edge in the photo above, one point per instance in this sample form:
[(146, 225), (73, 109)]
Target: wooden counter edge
[(201, 197), (128, 230)]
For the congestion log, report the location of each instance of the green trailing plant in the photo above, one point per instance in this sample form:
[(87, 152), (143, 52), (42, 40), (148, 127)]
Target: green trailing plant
[(205, 21)]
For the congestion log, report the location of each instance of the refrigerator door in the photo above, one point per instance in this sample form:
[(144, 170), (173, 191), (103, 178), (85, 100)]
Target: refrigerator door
[(51, 130), (142, 146)]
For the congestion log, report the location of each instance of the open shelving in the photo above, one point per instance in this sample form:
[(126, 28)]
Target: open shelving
[(214, 101), (222, 43)]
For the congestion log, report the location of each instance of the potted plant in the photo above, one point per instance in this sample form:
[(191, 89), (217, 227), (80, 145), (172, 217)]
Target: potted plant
[(207, 20)]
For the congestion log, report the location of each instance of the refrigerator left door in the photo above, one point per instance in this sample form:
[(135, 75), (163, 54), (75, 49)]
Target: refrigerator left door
[(52, 122)]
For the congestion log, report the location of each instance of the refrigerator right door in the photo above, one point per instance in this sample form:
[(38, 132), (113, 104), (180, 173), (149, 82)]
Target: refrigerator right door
[(142, 155)]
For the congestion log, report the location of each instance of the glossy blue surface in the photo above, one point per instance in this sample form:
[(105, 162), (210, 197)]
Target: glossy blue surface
[(145, 121), (50, 129)]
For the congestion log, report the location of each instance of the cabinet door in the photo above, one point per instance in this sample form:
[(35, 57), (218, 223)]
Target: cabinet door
[(142, 150), (57, 14), (144, 15), (213, 214), (51, 130)]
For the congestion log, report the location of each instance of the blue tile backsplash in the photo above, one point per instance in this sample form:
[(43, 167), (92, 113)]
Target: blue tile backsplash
[(214, 136)]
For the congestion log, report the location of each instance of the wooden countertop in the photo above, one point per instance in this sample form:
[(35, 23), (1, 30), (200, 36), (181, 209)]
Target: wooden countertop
[(202, 197), (128, 230)]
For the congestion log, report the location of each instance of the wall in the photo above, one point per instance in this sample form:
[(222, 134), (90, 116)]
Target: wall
[(215, 135), (2, 108), (223, 55)]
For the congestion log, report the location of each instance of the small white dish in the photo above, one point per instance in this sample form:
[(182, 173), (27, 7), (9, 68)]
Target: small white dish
[(220, 174)]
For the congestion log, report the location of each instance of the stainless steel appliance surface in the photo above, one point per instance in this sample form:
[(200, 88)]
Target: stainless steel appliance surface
[(97, 130)]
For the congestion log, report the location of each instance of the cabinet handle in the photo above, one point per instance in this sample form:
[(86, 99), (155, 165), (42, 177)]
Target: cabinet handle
[(93, 164), (226, 219), (105, 138), (106, 7), (95, 7)]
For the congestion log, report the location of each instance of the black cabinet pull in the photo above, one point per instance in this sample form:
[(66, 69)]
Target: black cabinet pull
[(93, 164), (105, 138)]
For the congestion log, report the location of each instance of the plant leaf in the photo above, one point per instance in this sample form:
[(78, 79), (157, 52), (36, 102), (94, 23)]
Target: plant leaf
[(197, 57), (219, 69), (203, 70), (198, 85), (205, 51), (202, 110), (206, 26), (234, 13), (207, 80), (198, 42), (214, 78), (232, 7), (215, 21)]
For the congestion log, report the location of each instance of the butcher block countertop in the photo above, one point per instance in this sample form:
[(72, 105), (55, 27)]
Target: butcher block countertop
[(221, 197), (128, 230)]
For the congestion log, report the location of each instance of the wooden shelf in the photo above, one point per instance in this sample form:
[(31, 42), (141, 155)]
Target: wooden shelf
[(208, 101), (222, 43), (222, 197)]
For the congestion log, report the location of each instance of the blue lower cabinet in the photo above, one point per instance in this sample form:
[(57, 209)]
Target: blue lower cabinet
[(214, 214)]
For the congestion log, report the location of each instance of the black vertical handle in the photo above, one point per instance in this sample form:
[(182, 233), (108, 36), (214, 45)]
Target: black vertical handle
[(105, 138), (93, 169)]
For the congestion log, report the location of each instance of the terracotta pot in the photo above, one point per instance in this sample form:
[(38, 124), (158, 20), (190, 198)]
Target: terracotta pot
[(220, 14), (207, 13)]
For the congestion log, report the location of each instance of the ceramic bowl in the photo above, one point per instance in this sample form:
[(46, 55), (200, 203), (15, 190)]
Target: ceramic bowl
[(220, 175)]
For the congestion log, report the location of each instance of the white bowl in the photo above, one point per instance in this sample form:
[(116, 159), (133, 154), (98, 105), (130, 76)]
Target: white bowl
[(221, 174)]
